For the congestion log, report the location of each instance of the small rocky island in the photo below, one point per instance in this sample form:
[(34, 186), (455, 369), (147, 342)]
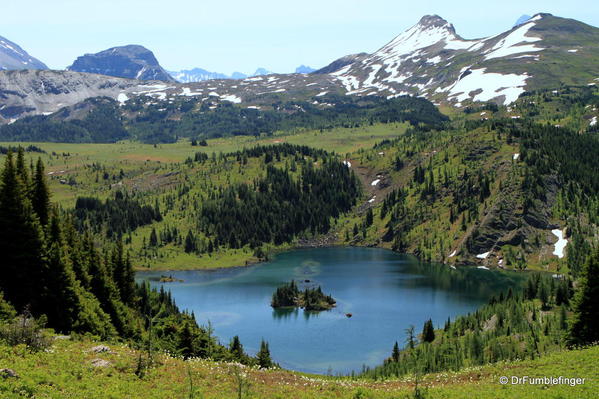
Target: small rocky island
[(311, 299)]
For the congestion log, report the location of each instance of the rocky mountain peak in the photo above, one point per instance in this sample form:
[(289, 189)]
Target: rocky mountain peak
[(434, 21), (131, 61)]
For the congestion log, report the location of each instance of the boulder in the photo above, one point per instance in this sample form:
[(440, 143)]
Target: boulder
[(100, 349), (8, 373), (100, 363)]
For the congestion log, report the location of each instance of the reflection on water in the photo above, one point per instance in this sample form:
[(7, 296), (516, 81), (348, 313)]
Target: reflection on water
[(385, 292)]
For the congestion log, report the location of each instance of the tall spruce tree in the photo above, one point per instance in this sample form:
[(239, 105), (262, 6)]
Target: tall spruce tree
[(584, 328), (123, 273), (40, 195), (236, 348), (395, 354), (263, 356), (21, 241), (428, 332)]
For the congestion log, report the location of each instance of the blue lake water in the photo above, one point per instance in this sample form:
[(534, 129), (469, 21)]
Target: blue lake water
[(384, 291)]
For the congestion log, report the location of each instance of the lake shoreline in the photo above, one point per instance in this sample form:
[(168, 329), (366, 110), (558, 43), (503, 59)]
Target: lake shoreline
[(253, 262), (378, 293)]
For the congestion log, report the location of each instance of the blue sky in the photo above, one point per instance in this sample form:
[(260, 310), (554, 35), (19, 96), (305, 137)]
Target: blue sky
[(227, 36)]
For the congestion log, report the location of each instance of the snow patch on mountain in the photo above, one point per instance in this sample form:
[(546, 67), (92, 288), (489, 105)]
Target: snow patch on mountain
[(513, 43), (488, 86), (561, 243), (232, 98), (348, 81), (122, 98)]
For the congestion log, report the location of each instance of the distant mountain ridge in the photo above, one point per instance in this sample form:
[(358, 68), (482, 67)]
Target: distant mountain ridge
[(304, 69), (200, 74), (12, 57), (131, 62), (196, 75), (429, 60)]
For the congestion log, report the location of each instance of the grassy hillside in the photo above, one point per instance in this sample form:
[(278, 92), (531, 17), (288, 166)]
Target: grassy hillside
[(67, 370)]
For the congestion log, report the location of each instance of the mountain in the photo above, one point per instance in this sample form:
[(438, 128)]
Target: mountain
[(29, 92), (262, 72), (522, 19), (238, 75), (341, 62), (131, 62), (304, 69), (430, 59), (12, 56), (196, 75), (200, 75)]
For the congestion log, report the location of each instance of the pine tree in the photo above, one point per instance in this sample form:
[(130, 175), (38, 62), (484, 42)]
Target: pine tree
[(236, 349), (395, 353), (123, 273), (411, 338), (153, 238), (263, 356), (190, 242), (22, 171), (428, 332), (369, 217), (40, 196), (21, 242), (187, 341), (584, 327)]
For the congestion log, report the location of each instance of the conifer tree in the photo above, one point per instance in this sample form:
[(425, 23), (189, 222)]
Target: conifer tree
[(395, 353), (22, 171), (187, 341), (263, 356), (123, 273), (428, 332), (236, 348), (40, 196), (21, 242), (411, 339), (153, 238), (584, 327)]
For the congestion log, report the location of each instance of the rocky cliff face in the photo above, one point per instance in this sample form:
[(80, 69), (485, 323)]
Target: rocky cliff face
[(131, 62), (42, 92)]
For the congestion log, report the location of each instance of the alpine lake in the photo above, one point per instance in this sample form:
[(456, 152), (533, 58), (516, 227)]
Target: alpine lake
[(379, 294)]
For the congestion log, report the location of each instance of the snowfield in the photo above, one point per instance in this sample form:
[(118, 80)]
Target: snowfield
[(232, 98), (561, 243), (122, 98), (483, 256), (512, 43), (490, 85)]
